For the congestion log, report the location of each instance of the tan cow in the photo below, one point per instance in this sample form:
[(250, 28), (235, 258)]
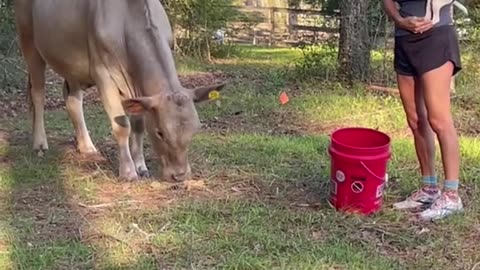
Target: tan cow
[(124, 48)]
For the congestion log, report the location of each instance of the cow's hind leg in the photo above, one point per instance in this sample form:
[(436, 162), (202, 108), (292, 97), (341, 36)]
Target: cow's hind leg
[(73, 96), (36, 93), (36, 73), (138, 128)]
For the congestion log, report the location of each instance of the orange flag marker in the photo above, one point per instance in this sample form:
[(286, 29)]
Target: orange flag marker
[(284, 98)]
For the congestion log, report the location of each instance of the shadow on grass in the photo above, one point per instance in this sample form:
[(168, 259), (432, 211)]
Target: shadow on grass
[(45, 232), (48, 225)]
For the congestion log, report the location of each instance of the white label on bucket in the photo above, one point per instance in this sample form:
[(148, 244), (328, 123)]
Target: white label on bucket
[(380, 190), (333, 187), (340, 176)]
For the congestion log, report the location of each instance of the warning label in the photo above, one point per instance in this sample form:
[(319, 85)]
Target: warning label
[(380, 190), (357, 187)]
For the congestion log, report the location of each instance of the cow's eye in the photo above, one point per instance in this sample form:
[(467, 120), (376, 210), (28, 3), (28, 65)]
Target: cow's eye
[(160, 134)]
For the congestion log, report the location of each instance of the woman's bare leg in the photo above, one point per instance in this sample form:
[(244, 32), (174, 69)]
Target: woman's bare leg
[(436, 85), (412, 96), (437, 98)]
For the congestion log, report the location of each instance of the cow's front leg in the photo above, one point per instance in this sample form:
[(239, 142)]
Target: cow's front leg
[(120, 128), (138, 128), (73, 96)]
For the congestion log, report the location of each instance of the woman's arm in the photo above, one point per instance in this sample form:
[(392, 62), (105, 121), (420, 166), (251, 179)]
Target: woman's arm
[(392, 11), (412, 24)]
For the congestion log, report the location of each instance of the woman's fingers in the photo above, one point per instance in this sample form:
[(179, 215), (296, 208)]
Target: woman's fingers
[(423, 28), (422, 25)]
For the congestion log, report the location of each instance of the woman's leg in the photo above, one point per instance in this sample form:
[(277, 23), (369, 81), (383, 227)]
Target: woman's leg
[(436, 85), (412, 96), (437, 99)]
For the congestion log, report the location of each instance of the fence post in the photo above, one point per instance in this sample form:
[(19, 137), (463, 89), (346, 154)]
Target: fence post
[(272, 24)]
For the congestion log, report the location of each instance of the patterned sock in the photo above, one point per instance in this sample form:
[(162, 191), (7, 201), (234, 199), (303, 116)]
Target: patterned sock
[(430, 181), (451, 185)]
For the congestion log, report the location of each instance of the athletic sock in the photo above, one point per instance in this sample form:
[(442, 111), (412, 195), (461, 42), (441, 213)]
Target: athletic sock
[(430, 181), (451, 185)]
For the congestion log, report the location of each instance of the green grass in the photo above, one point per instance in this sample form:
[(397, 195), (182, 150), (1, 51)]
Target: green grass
[(263, 202), (241, 235), (54, 255)]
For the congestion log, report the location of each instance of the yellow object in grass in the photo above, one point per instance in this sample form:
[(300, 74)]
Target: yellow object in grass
[(213, 95)]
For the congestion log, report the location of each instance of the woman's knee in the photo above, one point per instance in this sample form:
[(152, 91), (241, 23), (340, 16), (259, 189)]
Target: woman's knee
[(417, 121), (441, 124)]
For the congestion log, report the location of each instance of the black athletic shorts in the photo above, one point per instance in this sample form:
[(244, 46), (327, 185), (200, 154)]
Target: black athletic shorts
[(420, 53)]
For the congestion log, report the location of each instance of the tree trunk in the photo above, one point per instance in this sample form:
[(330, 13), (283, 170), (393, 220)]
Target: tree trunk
[(354, 44)]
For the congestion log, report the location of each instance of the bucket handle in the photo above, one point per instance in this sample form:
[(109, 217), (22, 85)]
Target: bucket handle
[(366, 168)]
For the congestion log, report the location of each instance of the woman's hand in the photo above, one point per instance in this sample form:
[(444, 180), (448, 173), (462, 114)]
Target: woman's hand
[(414, 24)]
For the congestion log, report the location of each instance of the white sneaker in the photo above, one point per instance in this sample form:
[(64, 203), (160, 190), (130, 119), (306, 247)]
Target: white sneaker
[(443, 207), (419, 198), (434, 7)]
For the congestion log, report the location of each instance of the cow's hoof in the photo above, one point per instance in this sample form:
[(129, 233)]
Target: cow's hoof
[(40, 145), (129, 176), (88, 151), (40, 151), (144, 173)]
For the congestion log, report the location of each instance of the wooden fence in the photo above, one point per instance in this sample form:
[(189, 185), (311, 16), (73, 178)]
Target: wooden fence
[(278, 25)]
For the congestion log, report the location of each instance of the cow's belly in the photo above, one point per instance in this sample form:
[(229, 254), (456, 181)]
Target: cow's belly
[(71, 64), (60, 32)]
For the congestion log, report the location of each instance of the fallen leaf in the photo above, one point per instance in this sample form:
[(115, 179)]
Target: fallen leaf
[(236, 189), (423, 230), (318, 235), (156, 185), (213, 95), (196, 184)]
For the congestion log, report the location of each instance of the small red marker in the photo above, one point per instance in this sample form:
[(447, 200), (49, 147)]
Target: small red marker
[(284, 98)]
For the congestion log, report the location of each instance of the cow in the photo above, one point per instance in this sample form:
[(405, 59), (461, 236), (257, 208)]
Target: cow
[(124, 48)]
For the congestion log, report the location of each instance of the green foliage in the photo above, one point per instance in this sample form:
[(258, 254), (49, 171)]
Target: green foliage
[(227, 50), (327, 5), (317, 62), (195, 22), (469, 27), (7, 31)]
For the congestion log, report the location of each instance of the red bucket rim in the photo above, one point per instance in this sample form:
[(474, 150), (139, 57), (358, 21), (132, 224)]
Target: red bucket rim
[(388, 139)]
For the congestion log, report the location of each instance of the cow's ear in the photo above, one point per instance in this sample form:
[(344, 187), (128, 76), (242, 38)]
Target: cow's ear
[(205, 93), (137, 106)]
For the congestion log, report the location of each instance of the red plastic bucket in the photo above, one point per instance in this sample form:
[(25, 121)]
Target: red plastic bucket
[(359, 159)]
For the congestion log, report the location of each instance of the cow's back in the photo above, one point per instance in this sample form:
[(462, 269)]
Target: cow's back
[(60, 34), (76, 36)]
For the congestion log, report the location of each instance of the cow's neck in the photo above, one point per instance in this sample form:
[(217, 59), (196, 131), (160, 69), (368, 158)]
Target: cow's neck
[(154, 66)]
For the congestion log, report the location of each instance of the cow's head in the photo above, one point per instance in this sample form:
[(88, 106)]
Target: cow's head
[(171, 121)]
